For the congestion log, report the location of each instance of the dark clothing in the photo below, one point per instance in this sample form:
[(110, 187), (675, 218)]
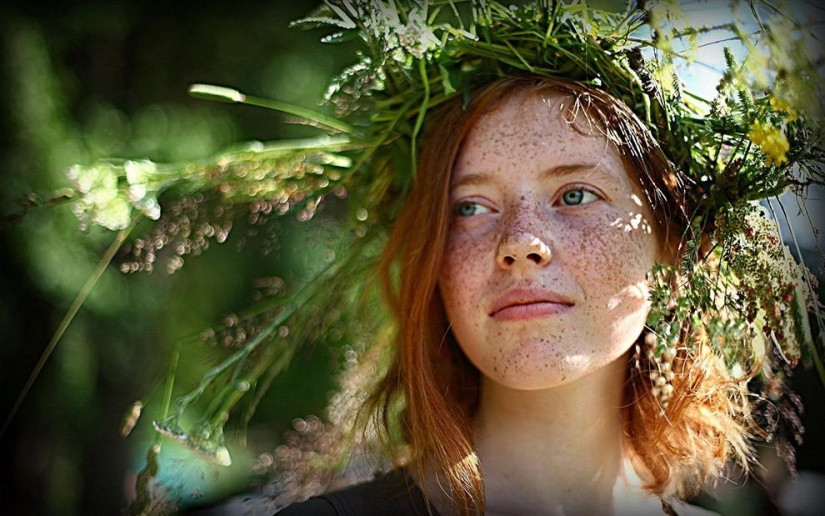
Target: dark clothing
[(390, 494)]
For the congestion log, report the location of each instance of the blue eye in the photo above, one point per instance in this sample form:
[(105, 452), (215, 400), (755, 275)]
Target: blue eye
[(469, 208), (576, 196)]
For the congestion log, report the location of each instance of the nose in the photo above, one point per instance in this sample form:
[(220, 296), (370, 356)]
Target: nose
[(521, 248)]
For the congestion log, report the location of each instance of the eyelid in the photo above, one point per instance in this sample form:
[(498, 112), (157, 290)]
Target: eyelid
[(580, 186), (481, 202)]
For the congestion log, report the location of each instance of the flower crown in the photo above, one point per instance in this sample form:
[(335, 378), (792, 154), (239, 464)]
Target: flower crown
[(760, 136)]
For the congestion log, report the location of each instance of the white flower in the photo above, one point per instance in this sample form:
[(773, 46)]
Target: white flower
[(99, 203), (416, 36), (103, 200), (139, 176)]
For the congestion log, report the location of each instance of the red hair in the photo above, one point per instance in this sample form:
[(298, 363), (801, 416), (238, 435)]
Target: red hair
[(437, 386)]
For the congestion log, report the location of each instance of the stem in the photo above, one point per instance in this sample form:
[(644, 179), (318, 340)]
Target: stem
[(422, 68), (167, 392), (68, 318), (223, 94), (280, 356), (308, 114), (297, 301)]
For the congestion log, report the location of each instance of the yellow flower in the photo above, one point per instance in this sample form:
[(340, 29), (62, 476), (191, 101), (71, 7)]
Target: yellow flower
[(783, 105), (771, 140)]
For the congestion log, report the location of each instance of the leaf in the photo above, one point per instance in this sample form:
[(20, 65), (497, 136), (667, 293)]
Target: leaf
[(323, 16), (342, 36)]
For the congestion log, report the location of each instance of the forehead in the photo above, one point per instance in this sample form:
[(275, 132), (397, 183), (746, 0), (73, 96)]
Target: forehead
[(538, 130), (547, 117)]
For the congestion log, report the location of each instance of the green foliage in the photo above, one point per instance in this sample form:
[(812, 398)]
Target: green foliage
[(74, 93)]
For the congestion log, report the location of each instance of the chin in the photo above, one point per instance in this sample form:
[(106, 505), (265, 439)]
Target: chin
[(574, 368), (534, 377)]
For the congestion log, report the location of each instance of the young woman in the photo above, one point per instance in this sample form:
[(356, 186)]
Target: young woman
[(523, 258), (581, 282)]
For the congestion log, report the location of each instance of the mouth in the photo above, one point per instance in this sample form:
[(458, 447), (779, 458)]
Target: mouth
[(525, 304)]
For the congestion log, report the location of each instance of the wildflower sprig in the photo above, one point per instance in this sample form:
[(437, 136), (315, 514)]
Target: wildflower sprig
[(111, 193), (760, 135)]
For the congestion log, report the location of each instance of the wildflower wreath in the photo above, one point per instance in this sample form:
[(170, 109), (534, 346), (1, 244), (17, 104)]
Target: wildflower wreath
[(736, 153)]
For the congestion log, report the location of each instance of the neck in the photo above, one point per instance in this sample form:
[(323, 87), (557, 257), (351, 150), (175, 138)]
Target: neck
[(552, 451)]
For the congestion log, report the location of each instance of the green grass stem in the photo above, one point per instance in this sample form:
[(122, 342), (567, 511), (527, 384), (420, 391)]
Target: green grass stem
[(87, 288)]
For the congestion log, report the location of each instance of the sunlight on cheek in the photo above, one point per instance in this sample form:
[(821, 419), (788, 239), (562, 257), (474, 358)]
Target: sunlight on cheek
[(636, 292), (635, 222), (577, 361)]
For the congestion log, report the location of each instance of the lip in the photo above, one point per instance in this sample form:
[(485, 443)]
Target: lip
[(520, 304)]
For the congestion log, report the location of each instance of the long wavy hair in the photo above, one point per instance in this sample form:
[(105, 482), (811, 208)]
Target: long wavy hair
[(431, 390)]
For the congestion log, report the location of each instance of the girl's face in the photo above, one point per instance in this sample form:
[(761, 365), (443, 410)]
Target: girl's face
[(550, 241)]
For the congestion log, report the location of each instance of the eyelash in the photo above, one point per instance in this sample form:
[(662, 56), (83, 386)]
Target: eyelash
[(570, 188), (580, 188), (459, 205)]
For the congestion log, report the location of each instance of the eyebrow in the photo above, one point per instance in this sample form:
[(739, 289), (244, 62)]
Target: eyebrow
[(560, 171)]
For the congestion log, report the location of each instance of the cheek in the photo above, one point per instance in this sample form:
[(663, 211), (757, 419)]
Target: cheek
[(612, 266), (460, 274), (612, 257)]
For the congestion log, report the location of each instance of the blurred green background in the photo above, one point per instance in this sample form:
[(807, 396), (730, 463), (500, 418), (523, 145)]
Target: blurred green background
[(84, 80)]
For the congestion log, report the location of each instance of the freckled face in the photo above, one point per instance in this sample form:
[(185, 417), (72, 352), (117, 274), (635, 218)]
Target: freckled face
[(543, 279)]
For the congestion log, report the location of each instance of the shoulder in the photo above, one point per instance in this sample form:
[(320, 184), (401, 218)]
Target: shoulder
[(392, 493)]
